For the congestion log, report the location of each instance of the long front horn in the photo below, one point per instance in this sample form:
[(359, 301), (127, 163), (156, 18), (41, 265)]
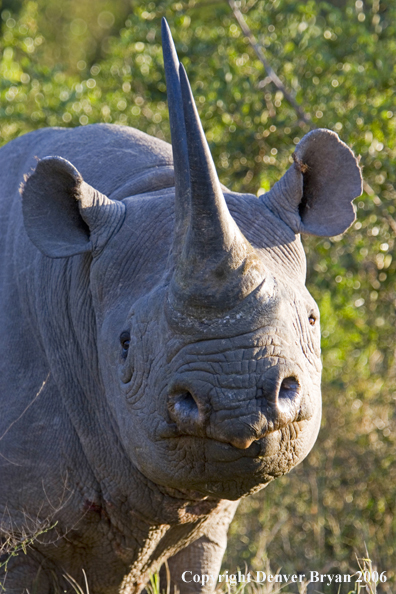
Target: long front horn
[(217, 266), (212, 228), (178, 135)]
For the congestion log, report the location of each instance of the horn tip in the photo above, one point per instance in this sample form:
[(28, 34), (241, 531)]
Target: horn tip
[(165, 30), (164, 24), (168, 45)]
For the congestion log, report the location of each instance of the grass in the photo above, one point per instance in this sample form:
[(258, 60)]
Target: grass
[(76, 587)]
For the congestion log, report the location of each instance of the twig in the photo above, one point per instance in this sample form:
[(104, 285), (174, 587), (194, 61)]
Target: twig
[(27, 408), (304, 117)]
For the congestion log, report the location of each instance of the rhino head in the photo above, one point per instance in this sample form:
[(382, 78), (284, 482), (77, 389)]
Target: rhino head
[(208, 346)]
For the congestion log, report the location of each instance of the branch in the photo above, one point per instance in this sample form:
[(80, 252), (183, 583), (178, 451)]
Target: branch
[(303, 117)]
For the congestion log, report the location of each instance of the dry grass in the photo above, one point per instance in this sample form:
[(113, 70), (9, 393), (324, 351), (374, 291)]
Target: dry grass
[(15, 542)]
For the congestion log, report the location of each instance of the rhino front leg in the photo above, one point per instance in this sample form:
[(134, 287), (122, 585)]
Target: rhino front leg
[(201, 558)]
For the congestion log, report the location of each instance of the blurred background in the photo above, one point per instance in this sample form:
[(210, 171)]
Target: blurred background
[(78, 62)]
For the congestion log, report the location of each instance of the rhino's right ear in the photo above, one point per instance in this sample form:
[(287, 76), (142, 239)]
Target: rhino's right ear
[(315, 195), (65, 216)]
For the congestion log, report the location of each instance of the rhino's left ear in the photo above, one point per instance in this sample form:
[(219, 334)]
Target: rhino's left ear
[(65, 216), (316, 193)]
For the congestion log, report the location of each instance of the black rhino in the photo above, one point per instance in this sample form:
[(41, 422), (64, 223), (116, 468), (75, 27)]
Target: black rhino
[(159, 351)]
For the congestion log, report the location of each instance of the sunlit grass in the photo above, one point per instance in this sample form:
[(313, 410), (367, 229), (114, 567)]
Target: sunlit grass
[(76, 586)]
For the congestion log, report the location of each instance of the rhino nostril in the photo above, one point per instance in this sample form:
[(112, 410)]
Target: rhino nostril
[(183, 407), (289, 391)]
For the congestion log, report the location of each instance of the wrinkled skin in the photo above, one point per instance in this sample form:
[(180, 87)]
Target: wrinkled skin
[(148, 385)]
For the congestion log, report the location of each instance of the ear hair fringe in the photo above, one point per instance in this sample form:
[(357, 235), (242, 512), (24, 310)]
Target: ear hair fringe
[(302, 167)]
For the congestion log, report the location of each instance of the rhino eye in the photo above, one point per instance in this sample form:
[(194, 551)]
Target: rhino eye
[(312, 320), (125, 340)]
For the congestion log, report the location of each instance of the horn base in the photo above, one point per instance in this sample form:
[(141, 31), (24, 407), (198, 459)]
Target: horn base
[(208, 287)]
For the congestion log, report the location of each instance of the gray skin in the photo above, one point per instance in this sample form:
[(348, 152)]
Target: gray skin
[(159, 352)]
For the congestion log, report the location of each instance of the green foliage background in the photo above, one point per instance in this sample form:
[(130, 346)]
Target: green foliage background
[(80, 62)]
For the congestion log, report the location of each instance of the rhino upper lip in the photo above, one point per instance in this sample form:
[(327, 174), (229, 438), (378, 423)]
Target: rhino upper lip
[(225, 452), (222, 451)]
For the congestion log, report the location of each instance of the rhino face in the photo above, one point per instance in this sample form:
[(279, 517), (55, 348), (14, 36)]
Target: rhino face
[(225, 408), (209, 345)]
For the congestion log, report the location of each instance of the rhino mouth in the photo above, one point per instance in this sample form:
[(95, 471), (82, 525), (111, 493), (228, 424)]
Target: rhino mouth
[(217, 469), (261, 449), (214, 450)]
